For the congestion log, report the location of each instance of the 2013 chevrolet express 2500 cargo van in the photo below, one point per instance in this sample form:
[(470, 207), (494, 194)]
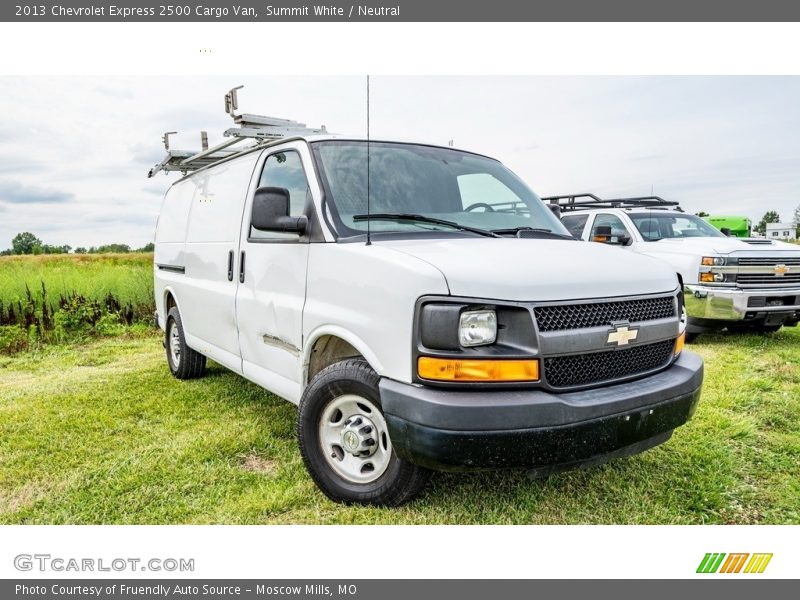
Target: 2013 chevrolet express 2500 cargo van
[(449, 323)]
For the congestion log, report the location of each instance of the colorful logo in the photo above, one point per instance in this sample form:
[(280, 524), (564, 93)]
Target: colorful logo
[(719, 562)]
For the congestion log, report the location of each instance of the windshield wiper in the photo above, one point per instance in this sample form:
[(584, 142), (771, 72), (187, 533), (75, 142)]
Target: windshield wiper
[(423, 219), (538, 230)]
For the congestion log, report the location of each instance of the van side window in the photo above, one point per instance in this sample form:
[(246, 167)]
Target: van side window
[(575, 224), (284, 170)]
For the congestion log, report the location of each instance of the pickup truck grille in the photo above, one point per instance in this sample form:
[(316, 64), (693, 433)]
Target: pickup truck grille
[(606, 366), (598, 314), (768, 279), (769, 261)]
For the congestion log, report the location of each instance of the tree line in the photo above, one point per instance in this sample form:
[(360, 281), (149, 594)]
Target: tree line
[(28, 243)]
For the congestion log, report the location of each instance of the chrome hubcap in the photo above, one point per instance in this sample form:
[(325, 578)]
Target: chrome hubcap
[(354, 439), (174, 344)]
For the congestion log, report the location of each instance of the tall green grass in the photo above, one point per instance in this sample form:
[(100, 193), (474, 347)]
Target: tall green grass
[(129, 277), (54, 298)]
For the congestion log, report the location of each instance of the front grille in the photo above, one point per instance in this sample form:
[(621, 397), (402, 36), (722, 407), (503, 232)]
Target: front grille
[(580, 316), (600, 367), (768, 279), (769, 261)]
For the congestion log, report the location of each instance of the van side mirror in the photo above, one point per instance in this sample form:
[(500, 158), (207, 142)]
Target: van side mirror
[(555, 209), (726, 231), (271, 212)]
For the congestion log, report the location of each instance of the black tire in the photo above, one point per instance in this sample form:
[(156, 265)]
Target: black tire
[(189, 363), (767, 328), (399, 483), (753, 328)]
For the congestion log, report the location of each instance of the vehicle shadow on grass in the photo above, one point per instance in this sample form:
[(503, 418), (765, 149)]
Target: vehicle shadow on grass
[(785, 338)]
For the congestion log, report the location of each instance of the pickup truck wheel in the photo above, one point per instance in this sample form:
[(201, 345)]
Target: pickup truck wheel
[(345, 443), (184, 362)]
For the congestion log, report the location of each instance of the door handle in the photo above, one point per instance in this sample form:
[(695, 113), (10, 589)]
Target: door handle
[(230, 265), (241, 267)]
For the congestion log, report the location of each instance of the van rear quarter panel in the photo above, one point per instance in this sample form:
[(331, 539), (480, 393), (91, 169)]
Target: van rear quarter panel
[(170, 240), (366, 295)]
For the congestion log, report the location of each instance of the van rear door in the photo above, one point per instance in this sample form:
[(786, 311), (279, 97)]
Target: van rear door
[(272, 288)]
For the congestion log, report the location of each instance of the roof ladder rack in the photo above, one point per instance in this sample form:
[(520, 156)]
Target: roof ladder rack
[(586, 200), (260, 130)]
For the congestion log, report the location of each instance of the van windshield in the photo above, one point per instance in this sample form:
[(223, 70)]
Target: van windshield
[(656, 226), (430, 183)]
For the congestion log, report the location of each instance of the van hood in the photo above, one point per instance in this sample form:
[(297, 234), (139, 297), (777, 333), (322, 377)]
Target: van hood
[(520, 269), (723, 245)]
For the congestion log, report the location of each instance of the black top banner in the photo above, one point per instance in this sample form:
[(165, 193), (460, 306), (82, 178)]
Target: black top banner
[(402, 10)]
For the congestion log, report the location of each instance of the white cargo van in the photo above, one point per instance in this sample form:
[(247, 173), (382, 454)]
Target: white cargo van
[(420, 304), (744, 285)]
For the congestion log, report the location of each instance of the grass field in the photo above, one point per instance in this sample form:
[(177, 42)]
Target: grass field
[(101, 433), (129, 277), (58, 298)]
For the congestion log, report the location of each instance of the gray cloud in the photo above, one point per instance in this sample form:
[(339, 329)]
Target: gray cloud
[(16, 193), (119, 93), (10, 164)]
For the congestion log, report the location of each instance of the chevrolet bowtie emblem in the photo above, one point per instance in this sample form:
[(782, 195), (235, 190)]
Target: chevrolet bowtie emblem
[(781, 270), (621, 335)]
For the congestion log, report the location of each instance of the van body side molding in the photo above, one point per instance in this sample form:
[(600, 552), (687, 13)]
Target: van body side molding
[(171, 268)]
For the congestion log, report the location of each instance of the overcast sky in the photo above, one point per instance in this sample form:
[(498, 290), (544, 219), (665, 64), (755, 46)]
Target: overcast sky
[(74, 151)]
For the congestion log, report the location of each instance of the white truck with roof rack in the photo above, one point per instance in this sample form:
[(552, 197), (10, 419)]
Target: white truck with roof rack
[(420, 304), (742, 284)]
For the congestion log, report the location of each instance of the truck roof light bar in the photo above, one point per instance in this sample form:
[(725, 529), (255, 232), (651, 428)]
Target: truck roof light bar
[(587, 200), (260, 130)]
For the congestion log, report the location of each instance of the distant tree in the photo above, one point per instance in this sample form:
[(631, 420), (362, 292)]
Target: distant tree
[(80, 250), (109, 248), (48, 249), (25, 243), (797, 220), (702, 213), (147, 247), (769, 217)]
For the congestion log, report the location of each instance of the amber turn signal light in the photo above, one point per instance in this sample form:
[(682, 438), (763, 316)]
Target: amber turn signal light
[(679, 343), (450, 369)]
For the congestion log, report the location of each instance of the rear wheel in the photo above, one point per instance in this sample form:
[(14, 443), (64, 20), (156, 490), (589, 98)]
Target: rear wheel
[(184, 363), (345, 442)]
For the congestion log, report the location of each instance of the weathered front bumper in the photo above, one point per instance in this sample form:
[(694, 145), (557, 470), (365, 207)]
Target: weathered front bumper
[(736, 304), (468, 429)]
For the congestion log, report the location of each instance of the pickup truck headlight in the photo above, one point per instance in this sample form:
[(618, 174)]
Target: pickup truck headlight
[(477, 328), (713, 261), (712, 277)]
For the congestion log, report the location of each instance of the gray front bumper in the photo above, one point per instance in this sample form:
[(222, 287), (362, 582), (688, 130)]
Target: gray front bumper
[(449, 429), (734, 304)]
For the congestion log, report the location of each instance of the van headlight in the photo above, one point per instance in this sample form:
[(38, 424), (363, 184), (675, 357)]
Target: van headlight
[(477, 328), (713, 261)]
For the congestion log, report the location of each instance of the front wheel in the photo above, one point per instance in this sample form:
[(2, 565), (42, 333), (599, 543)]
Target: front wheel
[(345, 442)]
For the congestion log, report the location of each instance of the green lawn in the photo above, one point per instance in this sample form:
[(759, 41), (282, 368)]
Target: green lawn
[(101, 433)]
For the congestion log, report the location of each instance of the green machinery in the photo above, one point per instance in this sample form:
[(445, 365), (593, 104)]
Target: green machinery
[(733, 226)]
